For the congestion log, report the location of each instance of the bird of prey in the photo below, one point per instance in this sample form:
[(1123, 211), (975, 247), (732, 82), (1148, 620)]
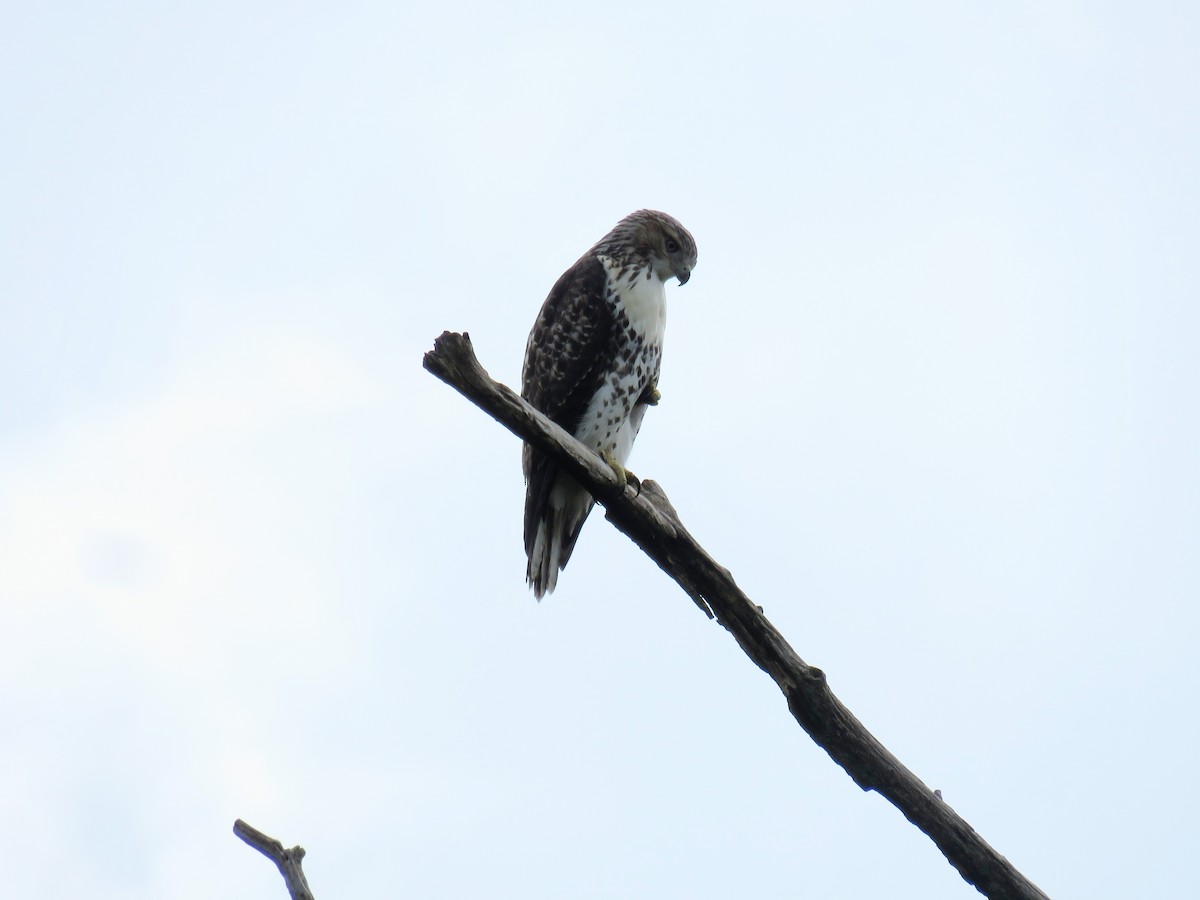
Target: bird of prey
[(591, 365)]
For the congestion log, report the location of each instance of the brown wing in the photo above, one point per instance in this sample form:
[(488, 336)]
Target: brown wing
[(568, 353)]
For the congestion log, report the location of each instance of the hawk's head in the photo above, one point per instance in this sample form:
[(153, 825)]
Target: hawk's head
[(651, 238)]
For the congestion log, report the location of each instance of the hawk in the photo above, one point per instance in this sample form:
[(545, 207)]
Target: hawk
[(591, 364)]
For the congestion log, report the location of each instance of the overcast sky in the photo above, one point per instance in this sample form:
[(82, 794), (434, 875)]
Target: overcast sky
[(931, 395)]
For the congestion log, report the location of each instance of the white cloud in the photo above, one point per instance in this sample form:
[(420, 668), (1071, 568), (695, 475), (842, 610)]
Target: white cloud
[(150, 573)]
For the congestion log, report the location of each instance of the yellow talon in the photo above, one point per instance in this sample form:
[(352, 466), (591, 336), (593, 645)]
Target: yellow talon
[(651, 396), (634, 482), (618, 469)]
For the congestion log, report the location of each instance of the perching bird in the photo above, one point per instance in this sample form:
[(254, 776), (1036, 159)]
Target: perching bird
[(591, 365)]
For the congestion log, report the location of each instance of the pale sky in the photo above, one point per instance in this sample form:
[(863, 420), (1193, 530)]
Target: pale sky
[(930, 394)]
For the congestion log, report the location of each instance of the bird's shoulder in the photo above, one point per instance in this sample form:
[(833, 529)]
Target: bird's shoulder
[(567, 344)]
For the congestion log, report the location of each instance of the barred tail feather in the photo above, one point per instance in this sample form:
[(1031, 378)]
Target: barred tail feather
[(557, 530)]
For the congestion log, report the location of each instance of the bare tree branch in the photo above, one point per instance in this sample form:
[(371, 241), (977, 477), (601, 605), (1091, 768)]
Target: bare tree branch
[(651, 522), (288, 861)]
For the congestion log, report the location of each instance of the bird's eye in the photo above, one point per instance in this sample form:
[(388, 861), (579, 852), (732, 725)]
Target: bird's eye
[(672, 245)]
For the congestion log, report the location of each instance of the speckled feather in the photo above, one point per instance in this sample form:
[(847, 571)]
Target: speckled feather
[(591, 362)]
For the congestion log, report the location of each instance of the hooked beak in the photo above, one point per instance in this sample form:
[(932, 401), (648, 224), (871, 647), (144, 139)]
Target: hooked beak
[(683, 275)]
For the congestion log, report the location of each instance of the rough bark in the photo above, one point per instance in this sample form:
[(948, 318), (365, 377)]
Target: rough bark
[(651, 522), (287, 861)]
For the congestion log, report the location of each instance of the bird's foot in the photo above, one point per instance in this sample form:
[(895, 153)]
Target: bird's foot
[(634, 482), (624, 476), (651, 396)]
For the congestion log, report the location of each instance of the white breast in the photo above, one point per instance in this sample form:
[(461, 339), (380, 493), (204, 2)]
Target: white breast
[(644, 300), (614, 416)]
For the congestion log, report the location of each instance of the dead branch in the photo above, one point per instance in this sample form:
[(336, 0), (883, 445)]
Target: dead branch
[(288, 861), (651, 522)]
